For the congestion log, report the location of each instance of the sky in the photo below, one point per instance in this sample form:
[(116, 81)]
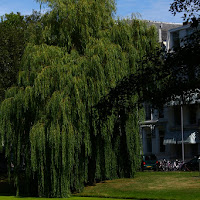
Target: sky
[(154, 10)]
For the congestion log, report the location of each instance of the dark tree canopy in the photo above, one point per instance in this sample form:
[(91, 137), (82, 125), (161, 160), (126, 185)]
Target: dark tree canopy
[(51, 123), (14, 35), (163, 77), (12, 43), (189, 8)]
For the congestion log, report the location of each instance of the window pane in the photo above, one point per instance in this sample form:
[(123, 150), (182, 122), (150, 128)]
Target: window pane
[(176, 40), (177, 115), (192, 114), (149, 144), (148, 112)]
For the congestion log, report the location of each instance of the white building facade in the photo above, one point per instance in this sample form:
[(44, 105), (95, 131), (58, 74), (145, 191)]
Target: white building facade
[(161, 131)]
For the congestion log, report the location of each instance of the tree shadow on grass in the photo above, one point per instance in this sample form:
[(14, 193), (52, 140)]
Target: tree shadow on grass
[(7, 189)]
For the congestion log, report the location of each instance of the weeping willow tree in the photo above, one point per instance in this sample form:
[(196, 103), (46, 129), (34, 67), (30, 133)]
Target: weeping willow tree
[(49, 121)]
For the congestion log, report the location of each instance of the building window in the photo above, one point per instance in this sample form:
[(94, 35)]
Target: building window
[(149, 143), (162, 146), (192, 114), (177, 115), (161, 113), (176, 40), (189, 31), (147, 112)]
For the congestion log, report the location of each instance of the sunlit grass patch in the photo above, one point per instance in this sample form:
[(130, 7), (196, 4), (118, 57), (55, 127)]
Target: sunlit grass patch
[(150, 185)]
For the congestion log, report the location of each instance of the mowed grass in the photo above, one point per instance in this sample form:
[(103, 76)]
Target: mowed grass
[(150, 185), (71, 198), (146, 185)]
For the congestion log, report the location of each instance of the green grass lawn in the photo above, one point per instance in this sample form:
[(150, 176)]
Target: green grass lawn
[(146, 185), (71, 198), (150, 185)]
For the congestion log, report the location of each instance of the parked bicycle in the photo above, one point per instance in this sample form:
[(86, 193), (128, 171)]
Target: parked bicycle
[(167, 165)]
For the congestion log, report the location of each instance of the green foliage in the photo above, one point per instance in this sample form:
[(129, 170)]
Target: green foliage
[(51, 118), (190, 8), (11, 49), (15, 31)]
